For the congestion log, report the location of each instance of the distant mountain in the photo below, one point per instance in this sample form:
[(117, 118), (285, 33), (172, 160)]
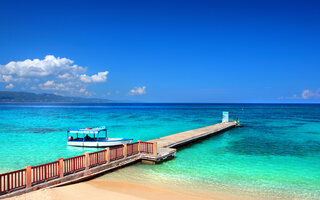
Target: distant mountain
[(45, 97)]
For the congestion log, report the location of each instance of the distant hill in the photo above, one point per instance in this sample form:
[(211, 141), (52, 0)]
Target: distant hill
[(45, 97)]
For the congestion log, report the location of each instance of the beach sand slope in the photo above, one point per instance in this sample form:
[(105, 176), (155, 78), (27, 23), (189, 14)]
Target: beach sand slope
[(116, 190)]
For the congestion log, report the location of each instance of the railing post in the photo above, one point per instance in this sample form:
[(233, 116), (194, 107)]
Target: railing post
[(108, 155), (155, 148), (86, 160), (125, 150), (60, 167), (28, 176), (139, 145)]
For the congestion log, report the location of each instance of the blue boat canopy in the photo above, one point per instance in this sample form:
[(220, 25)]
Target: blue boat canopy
[(87, 130)]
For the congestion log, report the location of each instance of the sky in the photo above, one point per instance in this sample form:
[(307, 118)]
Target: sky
[(163, 51)]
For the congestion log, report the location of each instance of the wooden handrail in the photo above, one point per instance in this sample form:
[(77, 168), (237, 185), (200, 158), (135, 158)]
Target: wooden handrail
[(18, 179)]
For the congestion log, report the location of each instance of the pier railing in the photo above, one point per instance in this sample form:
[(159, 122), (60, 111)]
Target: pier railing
[(41, 173), (132, 148), (146, 147), (97, 158), (12, 181), (116, 153), (33, 175), (73, 164)]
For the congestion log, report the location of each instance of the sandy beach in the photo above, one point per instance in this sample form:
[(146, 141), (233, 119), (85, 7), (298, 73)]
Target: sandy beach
[(118, 190)]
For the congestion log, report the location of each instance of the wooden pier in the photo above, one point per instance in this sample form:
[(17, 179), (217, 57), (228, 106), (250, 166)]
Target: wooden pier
[(167, 145), (89, 165), (183, 138)]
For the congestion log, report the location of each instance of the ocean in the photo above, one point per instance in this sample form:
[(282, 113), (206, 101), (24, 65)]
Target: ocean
[(276, 154)]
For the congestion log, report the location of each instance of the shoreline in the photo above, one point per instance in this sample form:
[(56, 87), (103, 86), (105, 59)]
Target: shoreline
[(97, 189), (124, 184), (133, 183)]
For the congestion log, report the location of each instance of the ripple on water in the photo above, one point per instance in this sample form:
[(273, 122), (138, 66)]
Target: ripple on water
[(41, 130)]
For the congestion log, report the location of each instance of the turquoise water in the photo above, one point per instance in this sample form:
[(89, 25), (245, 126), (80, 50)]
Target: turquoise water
[(277, 152)]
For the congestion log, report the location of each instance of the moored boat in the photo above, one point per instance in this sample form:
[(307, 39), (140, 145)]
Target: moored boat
[(93, 137)]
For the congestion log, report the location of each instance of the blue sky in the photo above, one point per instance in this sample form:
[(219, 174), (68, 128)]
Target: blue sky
[(163, 51)]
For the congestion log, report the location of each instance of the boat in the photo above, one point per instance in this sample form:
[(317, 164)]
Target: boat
[(93, 137)]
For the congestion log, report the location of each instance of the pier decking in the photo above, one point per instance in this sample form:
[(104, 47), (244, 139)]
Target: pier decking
[(186, 137), (89, 165), (167, 145)]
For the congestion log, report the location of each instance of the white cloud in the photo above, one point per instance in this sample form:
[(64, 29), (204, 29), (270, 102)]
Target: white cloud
[(96, 78), (305, 94), (309, 94), (138, 91), (49, 83), (10, 86), (65, 76), (62, 73), (50, 65), (7, 78)]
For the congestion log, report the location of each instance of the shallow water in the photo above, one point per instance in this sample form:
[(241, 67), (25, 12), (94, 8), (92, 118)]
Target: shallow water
[(276, 153)]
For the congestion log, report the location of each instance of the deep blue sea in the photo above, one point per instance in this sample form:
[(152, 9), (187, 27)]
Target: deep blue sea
[(276, 154)]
